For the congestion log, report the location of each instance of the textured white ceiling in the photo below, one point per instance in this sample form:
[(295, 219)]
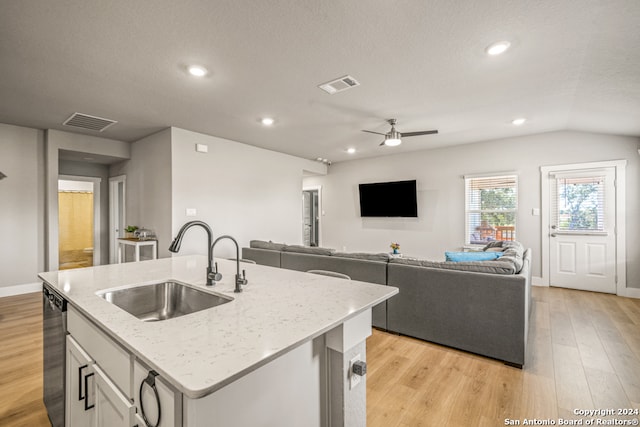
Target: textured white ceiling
[(573, 64)]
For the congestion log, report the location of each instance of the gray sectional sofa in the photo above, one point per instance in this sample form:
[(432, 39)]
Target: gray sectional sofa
[(481, 307)]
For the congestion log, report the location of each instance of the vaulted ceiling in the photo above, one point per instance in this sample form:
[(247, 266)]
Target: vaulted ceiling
[(572, 64)]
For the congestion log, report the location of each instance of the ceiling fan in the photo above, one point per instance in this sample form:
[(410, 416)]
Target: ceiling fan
[(393, 137)]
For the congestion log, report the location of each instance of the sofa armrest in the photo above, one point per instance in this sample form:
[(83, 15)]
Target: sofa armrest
[(477, 312)]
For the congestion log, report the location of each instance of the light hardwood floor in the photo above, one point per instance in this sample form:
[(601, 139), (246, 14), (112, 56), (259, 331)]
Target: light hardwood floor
[(584, 353), (21, 361)]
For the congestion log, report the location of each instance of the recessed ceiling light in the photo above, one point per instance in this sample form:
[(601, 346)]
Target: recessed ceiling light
[(518, 121), (498, 48), (267, 121), (197, 70), (351, 150)]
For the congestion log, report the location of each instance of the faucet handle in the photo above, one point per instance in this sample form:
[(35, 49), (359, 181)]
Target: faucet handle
[(215, 275), (241, 280)]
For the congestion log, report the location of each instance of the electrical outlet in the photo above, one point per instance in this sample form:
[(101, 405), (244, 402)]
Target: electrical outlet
[(354, 379), (191, 212)]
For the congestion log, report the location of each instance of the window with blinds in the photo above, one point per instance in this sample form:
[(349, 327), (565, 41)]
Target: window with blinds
[(578, 204), (491, 208)]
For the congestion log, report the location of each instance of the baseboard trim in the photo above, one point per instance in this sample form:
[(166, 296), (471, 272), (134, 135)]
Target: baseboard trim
[(631, 293), (26, 288), (538, 281)]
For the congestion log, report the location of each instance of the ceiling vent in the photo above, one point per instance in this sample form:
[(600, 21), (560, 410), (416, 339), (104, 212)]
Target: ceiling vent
[(339, 85), (85, 121)]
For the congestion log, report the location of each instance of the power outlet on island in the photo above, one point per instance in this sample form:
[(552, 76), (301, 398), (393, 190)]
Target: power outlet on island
[(354, 379)]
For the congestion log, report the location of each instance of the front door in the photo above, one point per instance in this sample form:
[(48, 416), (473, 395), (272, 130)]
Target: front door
[(583, 230)]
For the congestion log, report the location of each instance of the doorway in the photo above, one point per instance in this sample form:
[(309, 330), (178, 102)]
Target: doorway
[(78, 222), (311, 216), (117, 211), (583, 223)]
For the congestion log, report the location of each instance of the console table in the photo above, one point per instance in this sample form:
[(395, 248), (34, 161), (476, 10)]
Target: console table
[(137, 244)]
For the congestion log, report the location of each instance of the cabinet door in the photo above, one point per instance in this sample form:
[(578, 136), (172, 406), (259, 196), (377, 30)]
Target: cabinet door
[(79, 388), (113, 409)]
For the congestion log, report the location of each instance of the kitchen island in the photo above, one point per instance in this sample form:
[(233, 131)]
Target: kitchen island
[(279, 353)]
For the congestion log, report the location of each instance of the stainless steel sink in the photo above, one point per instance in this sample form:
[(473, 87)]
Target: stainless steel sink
[(161, 301)]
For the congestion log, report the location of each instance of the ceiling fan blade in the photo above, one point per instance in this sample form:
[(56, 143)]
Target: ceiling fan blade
[(424, 132), (377, 133)]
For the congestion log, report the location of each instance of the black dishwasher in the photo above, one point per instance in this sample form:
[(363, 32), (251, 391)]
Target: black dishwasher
[(54, 335)]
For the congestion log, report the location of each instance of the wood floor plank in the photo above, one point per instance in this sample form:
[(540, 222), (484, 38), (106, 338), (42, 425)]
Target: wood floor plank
[(21, 361), (606, 390), (572, 387)]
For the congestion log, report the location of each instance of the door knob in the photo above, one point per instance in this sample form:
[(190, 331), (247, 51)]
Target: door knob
[(553, 234), (554, 227)]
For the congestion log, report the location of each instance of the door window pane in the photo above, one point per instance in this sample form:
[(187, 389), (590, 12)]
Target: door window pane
[(580, 204)]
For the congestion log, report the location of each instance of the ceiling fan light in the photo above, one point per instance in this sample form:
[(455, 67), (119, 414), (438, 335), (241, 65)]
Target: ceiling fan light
[(392, 142)]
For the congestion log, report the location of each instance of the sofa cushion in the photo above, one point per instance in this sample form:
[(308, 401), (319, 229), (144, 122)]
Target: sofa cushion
[(471, 256), (494, 267), (363, 255), (308, 250), (512, 252), (261, 244)]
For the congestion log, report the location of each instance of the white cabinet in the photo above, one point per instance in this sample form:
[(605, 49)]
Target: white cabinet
[(104, 383), (113, 409), (79, 388)]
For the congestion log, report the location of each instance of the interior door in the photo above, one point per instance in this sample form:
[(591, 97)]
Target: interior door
[(116, 214), (583, 230), (311, 218)]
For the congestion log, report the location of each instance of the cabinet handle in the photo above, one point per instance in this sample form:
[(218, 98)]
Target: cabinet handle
[(80, 397), (151, 382), (86, 389)]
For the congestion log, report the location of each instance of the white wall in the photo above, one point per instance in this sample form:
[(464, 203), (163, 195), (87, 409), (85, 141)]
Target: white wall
[(439, 172), (21, 206), (148, 187), (241, 190)]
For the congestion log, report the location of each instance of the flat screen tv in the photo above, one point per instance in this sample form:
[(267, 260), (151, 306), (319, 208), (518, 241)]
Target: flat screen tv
[(389, 199)]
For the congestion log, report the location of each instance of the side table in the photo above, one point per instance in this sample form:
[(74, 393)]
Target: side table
[(137, 244)]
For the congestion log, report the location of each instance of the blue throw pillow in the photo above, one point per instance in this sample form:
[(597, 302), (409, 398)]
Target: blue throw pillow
[(472, 256)]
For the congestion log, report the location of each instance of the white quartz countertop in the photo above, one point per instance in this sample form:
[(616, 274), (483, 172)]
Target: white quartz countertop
[(202, 352)]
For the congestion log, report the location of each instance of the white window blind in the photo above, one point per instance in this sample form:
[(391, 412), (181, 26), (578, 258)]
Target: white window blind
[(578, 204), (491, 208)]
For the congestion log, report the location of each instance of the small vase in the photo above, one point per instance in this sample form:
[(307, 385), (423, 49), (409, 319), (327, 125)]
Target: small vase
[(395, 251)]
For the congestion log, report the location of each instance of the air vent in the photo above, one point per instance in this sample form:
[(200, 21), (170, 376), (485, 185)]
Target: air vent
[(85, 121), (339, 85)]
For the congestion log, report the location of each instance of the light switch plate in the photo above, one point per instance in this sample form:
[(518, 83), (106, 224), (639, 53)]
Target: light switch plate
[(535, 212), (202, 148)]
